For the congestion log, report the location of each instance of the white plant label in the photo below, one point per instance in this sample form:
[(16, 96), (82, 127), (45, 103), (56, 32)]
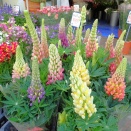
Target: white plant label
[(76, 8), (16, 9), (76, 19), (129, 18)]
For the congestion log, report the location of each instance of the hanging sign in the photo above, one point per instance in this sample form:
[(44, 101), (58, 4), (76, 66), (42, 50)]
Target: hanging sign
[(129, 18), (16, 9), (76, 19)]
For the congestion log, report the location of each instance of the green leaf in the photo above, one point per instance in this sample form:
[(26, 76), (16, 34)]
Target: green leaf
[(99, 72)]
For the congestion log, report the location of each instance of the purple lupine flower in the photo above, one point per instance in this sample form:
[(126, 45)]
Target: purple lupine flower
[(15, 33), (62, 34), (36, 90)]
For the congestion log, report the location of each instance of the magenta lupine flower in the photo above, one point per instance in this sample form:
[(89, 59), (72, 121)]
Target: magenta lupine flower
[(36, 90), (62, 34), (55, 65)]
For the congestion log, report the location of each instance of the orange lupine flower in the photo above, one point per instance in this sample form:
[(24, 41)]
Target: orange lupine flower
[(115, 86)]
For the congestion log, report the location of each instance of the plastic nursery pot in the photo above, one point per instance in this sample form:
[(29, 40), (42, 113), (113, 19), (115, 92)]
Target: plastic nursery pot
[(119, 32), (127, 48)]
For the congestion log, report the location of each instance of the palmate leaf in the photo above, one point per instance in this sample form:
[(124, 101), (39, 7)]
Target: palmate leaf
[(67, 51), (85, 124), (5, 77), (64, 127), (62, 85), (109, 124), (99, 72)]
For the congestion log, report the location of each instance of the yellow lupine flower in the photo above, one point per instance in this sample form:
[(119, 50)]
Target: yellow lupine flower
[(79, 68), (82, 100)]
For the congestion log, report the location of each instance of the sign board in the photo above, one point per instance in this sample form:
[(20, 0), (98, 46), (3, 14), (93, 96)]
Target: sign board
[(129, 18), (16, 9), (76, 8), (76, 19)]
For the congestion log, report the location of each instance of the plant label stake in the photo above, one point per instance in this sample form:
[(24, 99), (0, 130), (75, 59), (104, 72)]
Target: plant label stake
[(16, 9), (76, 20), (128, 22)]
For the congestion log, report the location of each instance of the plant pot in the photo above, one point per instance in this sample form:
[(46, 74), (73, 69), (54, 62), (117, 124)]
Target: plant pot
[(119, 32), (114, 18), (127, 48)]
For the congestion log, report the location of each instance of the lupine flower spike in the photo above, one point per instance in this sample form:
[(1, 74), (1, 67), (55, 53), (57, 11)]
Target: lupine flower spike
[(77, 39), (83, 15), (55, 65), (62, 34), (79, 30), (36, 90), (109, 47), (92, 45), (118, 55), (86, 36), (121, 36), (36, 42), (44, 44), (115, 86), (20, 68), (118, 49), (70, 34), (81, 94), (79, 68)]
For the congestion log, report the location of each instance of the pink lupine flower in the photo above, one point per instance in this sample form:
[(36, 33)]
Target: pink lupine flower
[(92, 45), (56, 16), (109, 47), (86, 36), (44, 45), (38, 48), (118, 53), (55, 65), (62, 34), (115, 86), (20, 68)]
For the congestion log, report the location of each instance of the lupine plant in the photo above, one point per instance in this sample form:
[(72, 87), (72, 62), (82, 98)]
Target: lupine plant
[(71, 86)]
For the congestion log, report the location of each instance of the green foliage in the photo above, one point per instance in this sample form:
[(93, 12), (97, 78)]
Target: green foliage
[(58, 95), (17, 106), (50, 20)]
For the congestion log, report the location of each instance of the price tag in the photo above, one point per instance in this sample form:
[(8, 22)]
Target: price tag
[(16, 9), (129, 18), (76, 19)]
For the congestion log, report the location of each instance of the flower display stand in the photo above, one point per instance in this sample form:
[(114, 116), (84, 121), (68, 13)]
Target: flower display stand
[(33, 6)]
